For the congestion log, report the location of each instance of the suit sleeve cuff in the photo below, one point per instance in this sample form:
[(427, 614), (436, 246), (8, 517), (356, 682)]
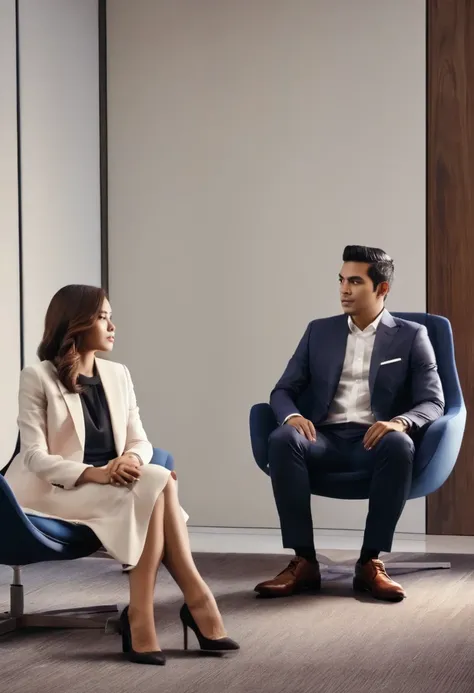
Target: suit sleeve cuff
[(407, 422), (290, 416)]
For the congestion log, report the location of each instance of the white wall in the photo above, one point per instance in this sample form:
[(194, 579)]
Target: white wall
[(9, 239), (248, 143), (60, 191), (59, 92)]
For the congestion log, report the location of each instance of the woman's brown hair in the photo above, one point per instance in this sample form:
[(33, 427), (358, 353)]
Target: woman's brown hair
[(72, 312)]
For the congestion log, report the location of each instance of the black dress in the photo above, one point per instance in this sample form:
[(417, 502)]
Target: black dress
[(99, 446)]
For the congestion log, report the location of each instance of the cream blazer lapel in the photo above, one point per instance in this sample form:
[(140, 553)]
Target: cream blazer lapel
[(116, 393), (74, 405), (116, 399)]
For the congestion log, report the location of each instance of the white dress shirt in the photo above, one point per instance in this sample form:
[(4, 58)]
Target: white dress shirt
[(351, 403)]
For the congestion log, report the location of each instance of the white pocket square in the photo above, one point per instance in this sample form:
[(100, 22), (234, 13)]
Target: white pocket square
[(385, 363)]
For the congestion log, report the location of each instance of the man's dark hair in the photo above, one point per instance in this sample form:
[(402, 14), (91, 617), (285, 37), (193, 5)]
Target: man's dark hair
[(381, 265)]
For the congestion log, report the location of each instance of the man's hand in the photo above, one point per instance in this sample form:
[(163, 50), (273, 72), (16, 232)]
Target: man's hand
[(378, 430), (303, 426), (124, 470)]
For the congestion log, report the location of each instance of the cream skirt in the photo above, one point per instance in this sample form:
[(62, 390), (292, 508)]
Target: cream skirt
[(118, 515)]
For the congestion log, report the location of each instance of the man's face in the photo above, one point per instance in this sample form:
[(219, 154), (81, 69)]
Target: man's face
[(357, 289)]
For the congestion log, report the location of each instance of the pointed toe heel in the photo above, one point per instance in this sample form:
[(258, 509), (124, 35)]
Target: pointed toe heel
[(205, 644), (158, 658)]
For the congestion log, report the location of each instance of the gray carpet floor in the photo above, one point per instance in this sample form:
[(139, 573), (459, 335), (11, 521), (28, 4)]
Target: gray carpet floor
[(332, 642)]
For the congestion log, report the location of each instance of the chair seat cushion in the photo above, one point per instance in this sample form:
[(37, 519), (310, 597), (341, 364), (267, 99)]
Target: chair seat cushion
[(66, 533)]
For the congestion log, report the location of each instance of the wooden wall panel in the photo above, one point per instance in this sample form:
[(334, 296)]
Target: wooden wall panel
[(450, 227)]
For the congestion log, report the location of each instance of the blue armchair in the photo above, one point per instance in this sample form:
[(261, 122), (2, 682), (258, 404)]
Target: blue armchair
[(31, 539), (439, 448)]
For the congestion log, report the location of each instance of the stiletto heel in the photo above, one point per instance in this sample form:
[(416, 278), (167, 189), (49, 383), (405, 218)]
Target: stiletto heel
[(156, 657), (185, 637), (206, 644)]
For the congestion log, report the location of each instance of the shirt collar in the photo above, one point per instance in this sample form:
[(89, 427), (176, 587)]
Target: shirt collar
[(370, 329)]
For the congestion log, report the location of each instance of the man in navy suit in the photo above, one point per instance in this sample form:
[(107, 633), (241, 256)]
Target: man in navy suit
[(372, 385)]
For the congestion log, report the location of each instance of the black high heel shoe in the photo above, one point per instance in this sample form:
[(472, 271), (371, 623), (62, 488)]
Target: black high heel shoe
[(156, 657), (206, 644)]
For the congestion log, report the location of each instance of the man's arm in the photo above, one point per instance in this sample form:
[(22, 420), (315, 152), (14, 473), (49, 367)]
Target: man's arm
[(427, 391), (293, 382)]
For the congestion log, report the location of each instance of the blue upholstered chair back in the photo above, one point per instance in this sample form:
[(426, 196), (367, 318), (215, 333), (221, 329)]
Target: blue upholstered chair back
[(441, 336)]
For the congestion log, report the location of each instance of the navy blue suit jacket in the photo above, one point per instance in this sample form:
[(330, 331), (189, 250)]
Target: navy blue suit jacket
[(410, 387)]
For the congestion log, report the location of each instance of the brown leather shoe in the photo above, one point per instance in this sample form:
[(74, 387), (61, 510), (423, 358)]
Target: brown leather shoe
[(372, 577), (299, 576)]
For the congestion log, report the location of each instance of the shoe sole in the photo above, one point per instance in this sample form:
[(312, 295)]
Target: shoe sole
[(222, 652), (361, 586), (304, 589)]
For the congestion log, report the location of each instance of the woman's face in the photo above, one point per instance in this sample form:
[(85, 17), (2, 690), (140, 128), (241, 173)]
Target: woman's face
[(101, 335)]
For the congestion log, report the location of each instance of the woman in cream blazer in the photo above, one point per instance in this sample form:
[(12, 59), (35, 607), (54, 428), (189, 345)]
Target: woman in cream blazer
[(84, 458)]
